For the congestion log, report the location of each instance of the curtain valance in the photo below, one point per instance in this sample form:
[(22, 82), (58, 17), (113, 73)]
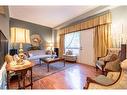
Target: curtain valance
[(92, 22)]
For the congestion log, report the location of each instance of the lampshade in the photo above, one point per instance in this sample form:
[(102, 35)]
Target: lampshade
[(20, 35)]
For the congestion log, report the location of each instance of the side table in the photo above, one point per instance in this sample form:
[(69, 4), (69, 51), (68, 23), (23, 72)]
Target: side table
[(21, 71)]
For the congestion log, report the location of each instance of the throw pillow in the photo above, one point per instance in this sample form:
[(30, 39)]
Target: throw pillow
[(113, 65), (113, 57)]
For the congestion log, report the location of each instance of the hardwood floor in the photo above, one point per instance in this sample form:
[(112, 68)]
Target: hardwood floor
[(71, 78)]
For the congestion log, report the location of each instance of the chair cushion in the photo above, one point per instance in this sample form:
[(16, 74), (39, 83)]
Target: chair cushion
[(103, 80), (100, 62)]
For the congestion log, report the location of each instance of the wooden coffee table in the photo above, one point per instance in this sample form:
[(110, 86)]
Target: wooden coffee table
[(51, 60)]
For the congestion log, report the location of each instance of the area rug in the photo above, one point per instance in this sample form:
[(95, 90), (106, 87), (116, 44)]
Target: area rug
[(40, 71)]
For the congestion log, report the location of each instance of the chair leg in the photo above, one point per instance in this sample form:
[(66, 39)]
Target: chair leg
[(96, 68), (87, 83), (103, 72), (48, 67), (86, 86)]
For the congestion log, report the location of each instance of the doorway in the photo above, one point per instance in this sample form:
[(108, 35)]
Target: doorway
[(86, 55)]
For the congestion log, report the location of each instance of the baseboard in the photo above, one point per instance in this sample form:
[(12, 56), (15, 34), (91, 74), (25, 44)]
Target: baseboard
[(86, 64)]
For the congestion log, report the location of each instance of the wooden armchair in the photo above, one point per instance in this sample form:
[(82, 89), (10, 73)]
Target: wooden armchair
[(110, 79), (113, 56), (114, 80)]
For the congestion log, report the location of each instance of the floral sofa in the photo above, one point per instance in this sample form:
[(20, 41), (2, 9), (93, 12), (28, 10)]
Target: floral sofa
[(37, 54)]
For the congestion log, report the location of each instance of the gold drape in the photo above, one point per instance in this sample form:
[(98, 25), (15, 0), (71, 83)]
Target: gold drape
[(102, 39), (92, 22), (61, 45)]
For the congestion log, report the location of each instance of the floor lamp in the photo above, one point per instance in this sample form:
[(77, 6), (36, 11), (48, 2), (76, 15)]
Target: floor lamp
[(20, 35)]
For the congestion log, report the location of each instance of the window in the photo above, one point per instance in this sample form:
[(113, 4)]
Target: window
[(72, 42)]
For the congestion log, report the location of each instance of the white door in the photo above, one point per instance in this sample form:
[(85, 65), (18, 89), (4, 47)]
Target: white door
[(86, 55)]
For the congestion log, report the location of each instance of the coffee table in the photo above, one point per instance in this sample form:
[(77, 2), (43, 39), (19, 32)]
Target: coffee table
[(51, 60)]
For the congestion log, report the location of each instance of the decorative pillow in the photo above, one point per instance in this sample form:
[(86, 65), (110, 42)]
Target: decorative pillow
[(48, 52), (113, 57), (113, 65), (69, 52)]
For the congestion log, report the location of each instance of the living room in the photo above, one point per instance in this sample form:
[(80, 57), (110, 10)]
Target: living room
[(70, 37)]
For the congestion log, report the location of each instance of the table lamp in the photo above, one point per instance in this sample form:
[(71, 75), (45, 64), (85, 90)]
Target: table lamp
[(20, 35)]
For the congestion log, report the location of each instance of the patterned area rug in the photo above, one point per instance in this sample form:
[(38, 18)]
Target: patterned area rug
[(40, 71)]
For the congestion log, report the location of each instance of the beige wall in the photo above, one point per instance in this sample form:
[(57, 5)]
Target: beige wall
[(119, 25)]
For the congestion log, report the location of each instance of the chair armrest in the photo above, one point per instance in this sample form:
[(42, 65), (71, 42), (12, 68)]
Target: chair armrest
[(100, 57), (106, 62)]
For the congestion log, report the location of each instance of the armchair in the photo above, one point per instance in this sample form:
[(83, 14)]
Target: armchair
[(113, 57), (114, 80), (69, 56)]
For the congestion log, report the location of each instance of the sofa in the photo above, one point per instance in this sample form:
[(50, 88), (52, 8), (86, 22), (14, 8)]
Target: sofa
[(37, 54)]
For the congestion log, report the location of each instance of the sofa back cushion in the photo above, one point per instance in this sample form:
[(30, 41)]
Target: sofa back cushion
[(36, 52), (114, 51)]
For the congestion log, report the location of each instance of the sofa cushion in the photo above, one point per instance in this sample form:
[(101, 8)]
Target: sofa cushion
[(36, 52), (38, 56)]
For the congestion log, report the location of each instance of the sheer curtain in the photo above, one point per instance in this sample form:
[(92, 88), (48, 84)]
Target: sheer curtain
[(72, 42)]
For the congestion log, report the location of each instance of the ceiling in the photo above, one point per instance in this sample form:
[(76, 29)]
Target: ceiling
[(50, 16)]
